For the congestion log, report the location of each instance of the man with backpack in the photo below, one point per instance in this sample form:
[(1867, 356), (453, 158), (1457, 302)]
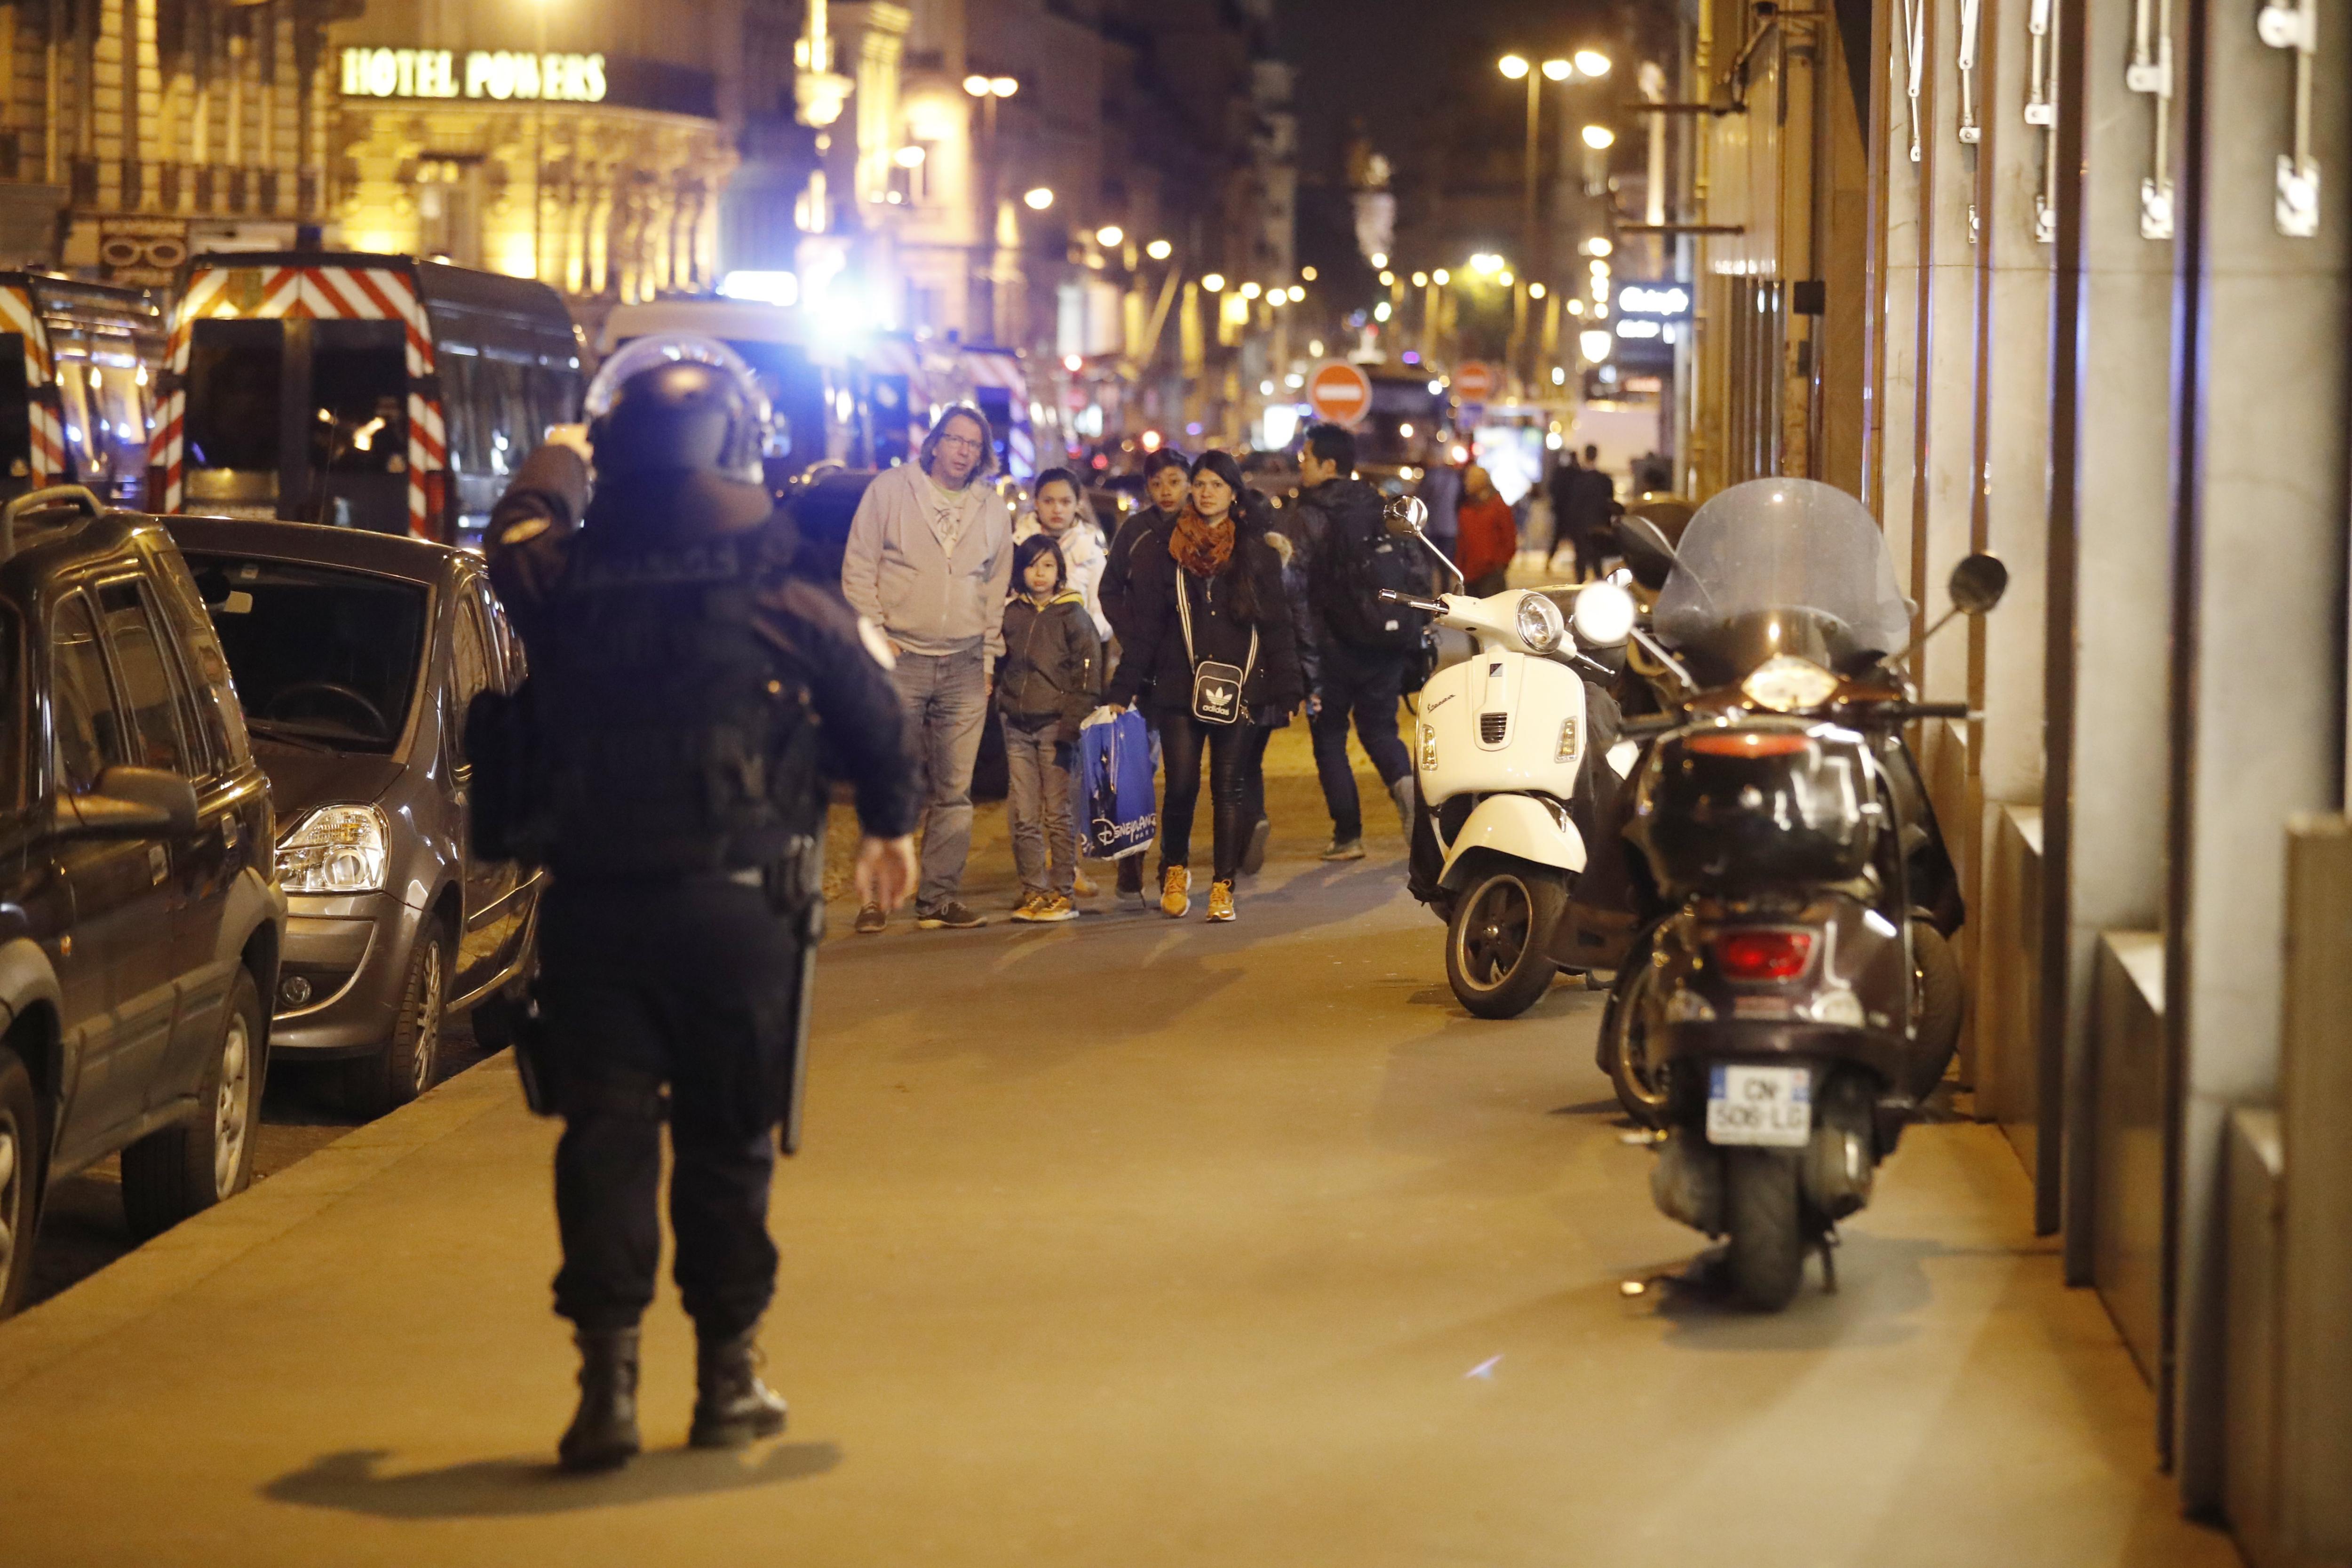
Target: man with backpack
[(1368, 648)]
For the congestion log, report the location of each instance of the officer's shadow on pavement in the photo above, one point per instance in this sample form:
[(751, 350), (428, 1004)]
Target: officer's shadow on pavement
[(356, 1481)]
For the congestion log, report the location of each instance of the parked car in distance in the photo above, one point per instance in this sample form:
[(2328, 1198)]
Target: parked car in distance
[(356, 655), (140, 922)]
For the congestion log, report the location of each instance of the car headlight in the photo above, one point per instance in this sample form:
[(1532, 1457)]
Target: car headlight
[(336, 849), (1786, 684), (1540, 622)]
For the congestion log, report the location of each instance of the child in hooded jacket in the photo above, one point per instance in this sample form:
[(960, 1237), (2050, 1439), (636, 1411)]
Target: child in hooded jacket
[(1049, 680)]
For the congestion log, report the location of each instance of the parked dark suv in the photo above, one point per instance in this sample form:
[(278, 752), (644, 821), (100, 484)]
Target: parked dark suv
[(356, 654), (140, 922)]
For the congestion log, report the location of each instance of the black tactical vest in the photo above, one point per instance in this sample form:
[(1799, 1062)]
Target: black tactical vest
[(668, 737)]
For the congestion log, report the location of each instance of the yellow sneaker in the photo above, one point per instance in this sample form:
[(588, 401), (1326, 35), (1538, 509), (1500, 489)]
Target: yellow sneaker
[(1082, 886), (1175, 892), (1220, 900)]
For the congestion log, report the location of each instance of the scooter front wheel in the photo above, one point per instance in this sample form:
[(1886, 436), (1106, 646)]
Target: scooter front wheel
[(1760, 1210), (1498, 941), (1625, 1053)]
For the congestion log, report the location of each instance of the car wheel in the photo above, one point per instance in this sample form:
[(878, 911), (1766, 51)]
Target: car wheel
[(404, 1068), (20, 1179), (184, 1170)]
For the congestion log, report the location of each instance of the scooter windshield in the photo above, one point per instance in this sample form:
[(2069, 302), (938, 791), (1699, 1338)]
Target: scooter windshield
[(1790, 546)]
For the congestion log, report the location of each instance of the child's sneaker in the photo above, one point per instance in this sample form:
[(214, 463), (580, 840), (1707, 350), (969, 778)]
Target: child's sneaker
[(1053, 908), (1030, 904), (1081, 886)]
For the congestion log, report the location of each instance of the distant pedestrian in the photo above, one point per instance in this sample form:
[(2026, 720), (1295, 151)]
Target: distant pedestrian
[(929, 560), (1440, 491), (1365, 647), (1560, 490), (1489, 534), (1594, 499), (1060, 511), (1049, 680), (1209, 648)]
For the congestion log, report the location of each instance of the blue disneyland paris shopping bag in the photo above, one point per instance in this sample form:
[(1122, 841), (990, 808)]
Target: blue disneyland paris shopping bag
[(1122, 813)]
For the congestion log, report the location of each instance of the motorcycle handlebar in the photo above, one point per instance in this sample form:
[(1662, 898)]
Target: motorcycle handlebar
[(1413, 601)]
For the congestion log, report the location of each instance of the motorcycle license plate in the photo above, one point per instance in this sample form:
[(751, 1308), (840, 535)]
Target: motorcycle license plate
[(1769, 1106)]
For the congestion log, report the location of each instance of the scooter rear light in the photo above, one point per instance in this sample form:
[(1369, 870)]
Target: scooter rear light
[(1747, 742), (1763, 954)]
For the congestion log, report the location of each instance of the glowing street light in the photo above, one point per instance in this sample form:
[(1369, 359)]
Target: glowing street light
[(1038, 199), (1600, 138), (1214, 283), (1512, 65), (976, 85), (1486, 261), (1379, 259), (1558, 70), (1159, 250), (991, 86), (1441, 278), (1110, 236), (1381, 312), (1592, 62), (1598, 247), (1504, 278), (1308, 273), (1535, 291), (1251, 291), (1421, 279), (1595, 344), (908, 157), (1296, 294), (1387, 278)]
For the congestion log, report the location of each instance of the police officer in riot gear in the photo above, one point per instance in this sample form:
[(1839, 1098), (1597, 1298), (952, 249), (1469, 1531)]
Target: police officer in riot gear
[(663, 761)]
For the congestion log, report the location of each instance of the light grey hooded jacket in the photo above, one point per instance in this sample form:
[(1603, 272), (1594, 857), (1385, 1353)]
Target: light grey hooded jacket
[(896, 573)]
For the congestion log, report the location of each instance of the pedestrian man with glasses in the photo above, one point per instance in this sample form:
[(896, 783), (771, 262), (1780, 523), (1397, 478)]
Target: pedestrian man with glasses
[(930, 560)]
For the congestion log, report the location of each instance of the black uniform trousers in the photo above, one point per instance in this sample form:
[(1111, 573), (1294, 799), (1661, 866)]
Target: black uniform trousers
[(689, 986)]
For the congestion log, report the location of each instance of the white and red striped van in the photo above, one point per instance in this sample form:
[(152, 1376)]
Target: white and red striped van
[(374, 392), (78, 364)]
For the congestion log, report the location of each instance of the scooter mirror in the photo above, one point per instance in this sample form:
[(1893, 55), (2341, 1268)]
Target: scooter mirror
[(1647, 554), (1603, 616), (1978, 583), (1407, 514)]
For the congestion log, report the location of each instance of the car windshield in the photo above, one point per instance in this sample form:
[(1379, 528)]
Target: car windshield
[(320, 657), (1790, 545)]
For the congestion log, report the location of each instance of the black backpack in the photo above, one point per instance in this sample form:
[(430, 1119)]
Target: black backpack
[(1356, 558), (658, 735)]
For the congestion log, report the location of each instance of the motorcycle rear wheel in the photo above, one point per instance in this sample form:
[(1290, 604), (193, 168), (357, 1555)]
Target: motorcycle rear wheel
[(1498, 940), (1624, 1053), (1760, 1210)]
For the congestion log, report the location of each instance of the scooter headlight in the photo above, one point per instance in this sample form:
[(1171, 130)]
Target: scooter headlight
[(1787, 684), (1541, 624)]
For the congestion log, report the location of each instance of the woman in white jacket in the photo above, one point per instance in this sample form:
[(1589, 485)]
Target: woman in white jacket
[(1062, 513)]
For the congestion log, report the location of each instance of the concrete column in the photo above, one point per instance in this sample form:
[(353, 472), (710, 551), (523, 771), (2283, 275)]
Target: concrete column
[(1898, 381), (1942, 481), (2108, 576), (2258, 602)]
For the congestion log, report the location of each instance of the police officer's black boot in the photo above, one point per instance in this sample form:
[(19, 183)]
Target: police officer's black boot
[(731, 1405), (604, 1435)]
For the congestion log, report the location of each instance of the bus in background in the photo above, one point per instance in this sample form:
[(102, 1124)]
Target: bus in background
[(375, 391), (78, 364)]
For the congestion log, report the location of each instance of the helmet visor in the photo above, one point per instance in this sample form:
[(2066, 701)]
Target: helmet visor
[(670, 348)]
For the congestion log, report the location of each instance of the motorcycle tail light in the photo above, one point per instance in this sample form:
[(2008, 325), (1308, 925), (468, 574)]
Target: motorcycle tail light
[(1748, 742), (1763, 954)]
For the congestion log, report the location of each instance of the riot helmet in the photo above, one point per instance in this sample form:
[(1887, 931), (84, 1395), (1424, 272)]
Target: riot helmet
[(676, 403)]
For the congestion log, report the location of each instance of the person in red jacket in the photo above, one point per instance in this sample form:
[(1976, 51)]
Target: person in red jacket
[(1488, 536)]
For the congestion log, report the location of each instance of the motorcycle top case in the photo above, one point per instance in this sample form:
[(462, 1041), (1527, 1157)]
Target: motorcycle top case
[(1115, 770), (1721, 810)]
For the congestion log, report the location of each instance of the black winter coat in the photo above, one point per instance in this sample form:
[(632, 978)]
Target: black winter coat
[(1337, 520), (1051, 667), (1140, 535), (1152, 664)]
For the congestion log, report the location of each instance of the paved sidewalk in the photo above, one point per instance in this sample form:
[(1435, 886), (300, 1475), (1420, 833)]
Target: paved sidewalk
[(1116, 1246)]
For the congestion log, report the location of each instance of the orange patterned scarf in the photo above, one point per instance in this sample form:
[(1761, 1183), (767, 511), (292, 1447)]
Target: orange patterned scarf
[(1199, 546)]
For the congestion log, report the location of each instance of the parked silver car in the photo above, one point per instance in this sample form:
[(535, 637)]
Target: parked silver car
[(355, 654)]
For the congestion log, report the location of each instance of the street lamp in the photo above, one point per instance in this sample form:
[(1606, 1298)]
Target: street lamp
[(1558, 70), (1214, 283), (1038, 199), (1308, 273), (1421, 279), (1441, 278), (1517, 67), (1159, 250), (1110, 236), (1595, 344), (1251, 291), (1600, 138), (1592, 62), (1512, 66)]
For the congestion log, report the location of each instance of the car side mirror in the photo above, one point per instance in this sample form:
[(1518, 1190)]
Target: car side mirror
[(1407, 514), (1645, 549), (1978, 583), (138, 803)]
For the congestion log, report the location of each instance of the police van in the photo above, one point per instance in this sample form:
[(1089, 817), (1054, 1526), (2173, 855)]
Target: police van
[(78, 364), (374, 392)]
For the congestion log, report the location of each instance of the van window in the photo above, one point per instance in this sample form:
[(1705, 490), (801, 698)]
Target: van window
[(85, 730), (235, 381), (150, 687), (105, 419), (359, 376), (15, 411)]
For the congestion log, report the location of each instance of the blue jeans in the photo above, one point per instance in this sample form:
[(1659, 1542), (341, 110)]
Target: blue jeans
[(1363, 685), (946, 698)]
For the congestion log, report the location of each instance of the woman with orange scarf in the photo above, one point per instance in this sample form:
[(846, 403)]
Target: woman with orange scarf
[(1232, 612)]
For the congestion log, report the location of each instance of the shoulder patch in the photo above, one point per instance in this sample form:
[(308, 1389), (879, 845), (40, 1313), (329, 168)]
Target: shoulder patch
[(526, 531), (876, 644)]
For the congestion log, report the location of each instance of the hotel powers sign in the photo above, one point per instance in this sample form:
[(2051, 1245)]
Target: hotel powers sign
[(497, 74)]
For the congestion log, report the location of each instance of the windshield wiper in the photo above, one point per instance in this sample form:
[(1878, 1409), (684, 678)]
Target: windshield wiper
[(278, 729)]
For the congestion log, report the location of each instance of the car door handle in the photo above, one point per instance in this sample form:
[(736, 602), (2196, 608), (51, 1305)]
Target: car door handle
[(159, 861)]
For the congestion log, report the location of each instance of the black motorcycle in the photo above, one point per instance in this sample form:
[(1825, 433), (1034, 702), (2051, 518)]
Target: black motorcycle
[(1792, 999)]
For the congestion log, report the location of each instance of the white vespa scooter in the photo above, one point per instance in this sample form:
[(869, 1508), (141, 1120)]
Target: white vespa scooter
[(1500, 738)]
